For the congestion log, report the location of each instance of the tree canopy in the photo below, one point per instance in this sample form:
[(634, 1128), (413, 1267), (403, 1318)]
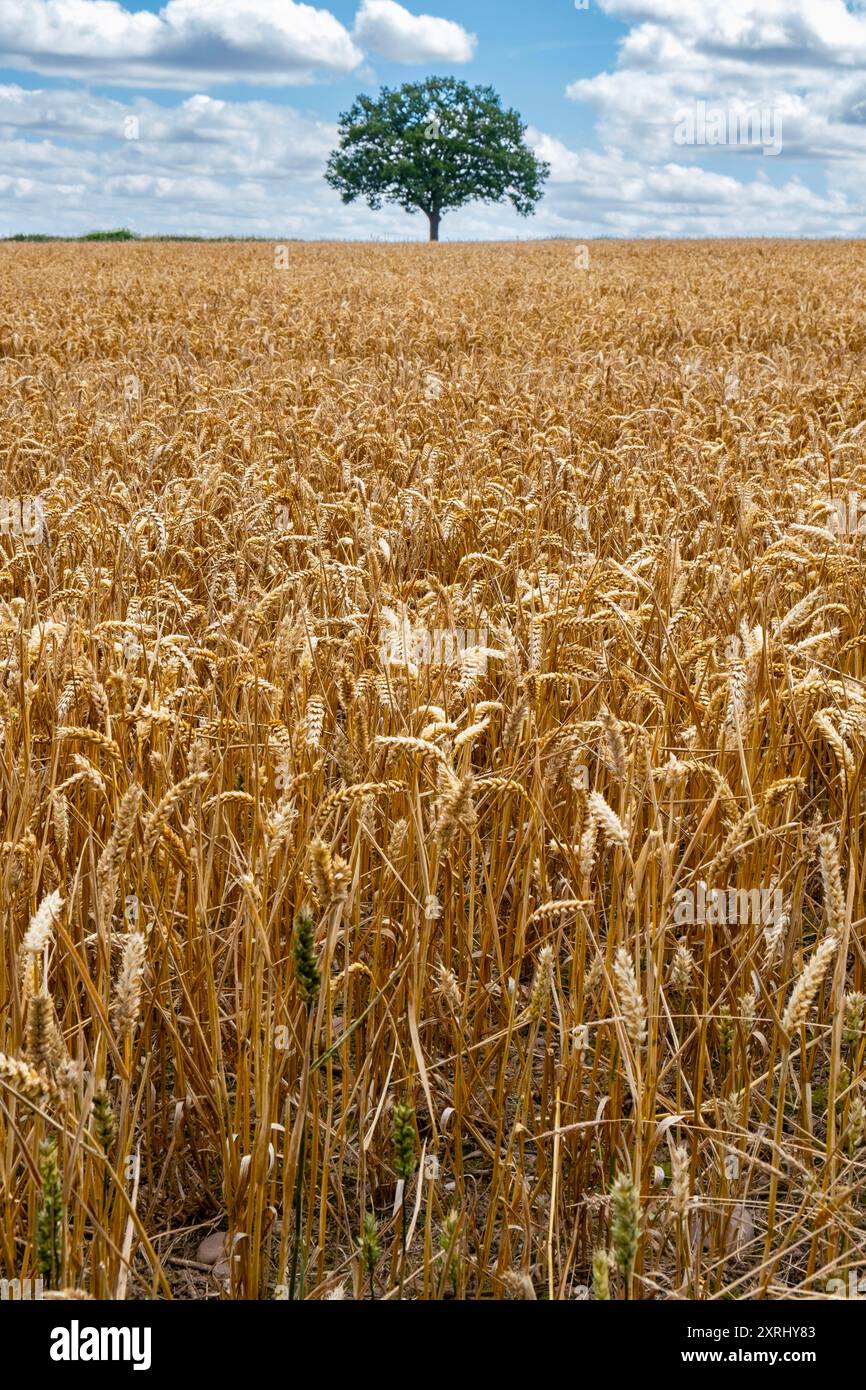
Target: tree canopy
[(434, 146)]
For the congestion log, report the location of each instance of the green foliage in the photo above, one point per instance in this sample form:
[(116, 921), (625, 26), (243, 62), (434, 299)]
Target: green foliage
[(49, 1226), (601, 1275), (368, 1243), (304, 955), (433, 146), (118, 234), (448, 1242), (625, 1201), (404, 1140), (104, 1119)]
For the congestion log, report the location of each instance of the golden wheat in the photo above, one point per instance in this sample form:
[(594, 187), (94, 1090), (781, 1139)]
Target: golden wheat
[(527, 715)]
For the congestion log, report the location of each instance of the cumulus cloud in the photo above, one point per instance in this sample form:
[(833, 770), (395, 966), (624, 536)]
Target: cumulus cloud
[(226, 138), (791, 62), (195, 43), (71, 161), (756, 31), (388, 29), (189, 43), (610, 193)]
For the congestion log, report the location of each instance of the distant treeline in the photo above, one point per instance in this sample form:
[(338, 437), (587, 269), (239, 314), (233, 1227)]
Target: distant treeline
[(124, 234)]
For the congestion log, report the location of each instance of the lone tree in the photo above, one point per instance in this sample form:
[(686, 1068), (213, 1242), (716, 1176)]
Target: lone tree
[(435, 145)]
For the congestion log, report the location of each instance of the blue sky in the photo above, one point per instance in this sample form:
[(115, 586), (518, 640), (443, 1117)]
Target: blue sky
[(658, 117)]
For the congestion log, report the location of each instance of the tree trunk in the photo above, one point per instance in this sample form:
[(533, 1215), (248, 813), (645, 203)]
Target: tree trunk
[(434, 225)]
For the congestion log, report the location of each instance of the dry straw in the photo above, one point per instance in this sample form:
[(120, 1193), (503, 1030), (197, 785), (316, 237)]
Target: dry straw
[(330, 942)]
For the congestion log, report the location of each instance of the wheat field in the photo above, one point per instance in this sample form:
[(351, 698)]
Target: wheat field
[(432, 728)]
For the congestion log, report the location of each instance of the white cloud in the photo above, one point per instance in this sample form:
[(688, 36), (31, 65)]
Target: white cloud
[(792, 60), (391, 31), (789, 66), (255, 168), (594, 193), (758, 31), (189, 43), (205, 167)]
